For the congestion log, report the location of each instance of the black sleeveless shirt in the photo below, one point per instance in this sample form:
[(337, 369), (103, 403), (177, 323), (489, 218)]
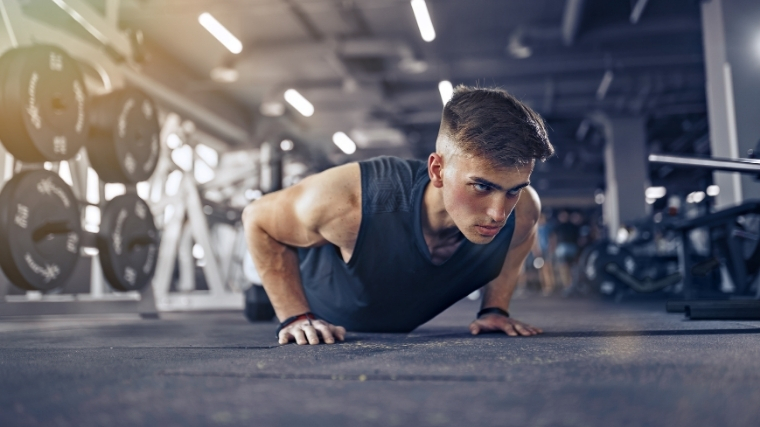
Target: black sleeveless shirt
[(390, 283)]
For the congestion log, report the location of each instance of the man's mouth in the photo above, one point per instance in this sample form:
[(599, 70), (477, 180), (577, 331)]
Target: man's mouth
[(486, 230)]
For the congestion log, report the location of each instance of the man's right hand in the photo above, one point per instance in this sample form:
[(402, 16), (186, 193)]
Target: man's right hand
[(309, 332)]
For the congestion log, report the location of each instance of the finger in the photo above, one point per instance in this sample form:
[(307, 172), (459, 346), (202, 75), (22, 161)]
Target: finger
[(339, 332), (284, 337), (474, 328), (311, 334), (298, 335), (523, 330), (324, 330), (510, 330)]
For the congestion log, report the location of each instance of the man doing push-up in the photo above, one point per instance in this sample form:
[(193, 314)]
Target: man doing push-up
[(386, 244)]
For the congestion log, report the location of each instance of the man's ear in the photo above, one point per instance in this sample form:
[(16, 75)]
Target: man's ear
[(435, 169)]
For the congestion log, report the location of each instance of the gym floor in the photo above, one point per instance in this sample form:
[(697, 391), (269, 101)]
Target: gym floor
[(598, 364)]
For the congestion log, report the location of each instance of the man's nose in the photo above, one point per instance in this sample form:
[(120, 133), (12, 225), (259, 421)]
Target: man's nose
[(498, 210)]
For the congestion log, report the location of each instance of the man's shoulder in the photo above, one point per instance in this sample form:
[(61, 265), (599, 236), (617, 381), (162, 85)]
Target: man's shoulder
[(389, 183), (527, 211)]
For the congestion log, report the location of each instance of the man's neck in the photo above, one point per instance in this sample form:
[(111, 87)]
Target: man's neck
[(437, 225)]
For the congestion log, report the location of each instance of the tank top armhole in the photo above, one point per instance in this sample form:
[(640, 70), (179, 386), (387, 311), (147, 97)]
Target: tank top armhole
[(363, 224)]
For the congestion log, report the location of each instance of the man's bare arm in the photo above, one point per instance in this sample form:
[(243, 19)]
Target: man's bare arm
[(498, 292), (324, 208)]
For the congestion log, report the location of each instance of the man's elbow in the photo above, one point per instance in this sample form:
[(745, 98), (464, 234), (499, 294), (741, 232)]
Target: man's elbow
[(250, 215)]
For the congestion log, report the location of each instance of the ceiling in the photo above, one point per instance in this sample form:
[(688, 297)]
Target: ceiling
[(364, 66)]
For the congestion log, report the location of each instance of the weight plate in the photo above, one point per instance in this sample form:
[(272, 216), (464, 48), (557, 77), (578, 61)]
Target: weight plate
[(40, 229), (128, 243), (44, 103), (124, 137)]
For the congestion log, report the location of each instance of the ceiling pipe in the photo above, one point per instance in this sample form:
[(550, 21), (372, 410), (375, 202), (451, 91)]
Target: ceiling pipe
[(638, 10), (571, 20)]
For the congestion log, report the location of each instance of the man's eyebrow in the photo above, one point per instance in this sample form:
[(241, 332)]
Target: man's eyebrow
[(497, 186)]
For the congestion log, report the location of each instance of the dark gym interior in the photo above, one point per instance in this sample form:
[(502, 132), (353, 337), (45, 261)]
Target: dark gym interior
[(136, 135)]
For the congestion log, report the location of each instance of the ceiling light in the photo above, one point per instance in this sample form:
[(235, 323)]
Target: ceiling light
[(221, 33), (286, 145), (345, 143), (446, 89), (423, 20), (604, 85), (713, 190), (301, 104), (224, 74), (272, 109)]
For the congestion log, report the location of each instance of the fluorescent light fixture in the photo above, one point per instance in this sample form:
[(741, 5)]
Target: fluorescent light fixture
[(286, 145), (221, 33), (655, 192), (301, 104), (83, 22), (604, 85), (422, 16), (224, 74), (272, 109), (345, 143), (713, 190), (446, 89)]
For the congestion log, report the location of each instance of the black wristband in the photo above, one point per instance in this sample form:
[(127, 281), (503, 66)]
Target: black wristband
[(492, 310), (287, 322)]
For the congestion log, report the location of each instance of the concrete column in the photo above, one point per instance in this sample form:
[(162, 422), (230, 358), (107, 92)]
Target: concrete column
[(626, 171), (731, 37)]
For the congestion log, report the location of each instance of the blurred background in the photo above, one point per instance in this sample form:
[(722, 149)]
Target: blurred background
[(256, 95)]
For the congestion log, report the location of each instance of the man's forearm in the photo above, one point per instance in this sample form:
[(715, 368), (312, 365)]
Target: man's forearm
[(498, 292), (277, 265)]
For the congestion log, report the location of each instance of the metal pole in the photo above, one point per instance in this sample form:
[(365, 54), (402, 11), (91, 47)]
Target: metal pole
[(730, 165)]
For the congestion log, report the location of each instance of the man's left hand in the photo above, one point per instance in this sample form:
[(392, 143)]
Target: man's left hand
[(499, 323)]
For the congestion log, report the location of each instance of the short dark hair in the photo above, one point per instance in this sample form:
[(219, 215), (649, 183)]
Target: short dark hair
[(492, 124)]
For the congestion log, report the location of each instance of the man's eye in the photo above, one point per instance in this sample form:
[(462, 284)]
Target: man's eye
[(514, 192), (481, 187)]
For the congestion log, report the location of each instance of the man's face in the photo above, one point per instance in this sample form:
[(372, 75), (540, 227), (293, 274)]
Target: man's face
[(479, 197)]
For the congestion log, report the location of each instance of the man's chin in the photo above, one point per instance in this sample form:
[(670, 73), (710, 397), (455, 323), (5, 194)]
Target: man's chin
[(479, 239)]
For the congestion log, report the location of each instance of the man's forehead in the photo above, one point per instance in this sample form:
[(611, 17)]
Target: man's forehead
[(505, 177)]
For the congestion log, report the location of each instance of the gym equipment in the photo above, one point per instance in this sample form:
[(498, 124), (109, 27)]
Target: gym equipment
[(128, 243), (44, 104), (609, 268), (40, 230), (258, 308), (123, 145), (735, 236)]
